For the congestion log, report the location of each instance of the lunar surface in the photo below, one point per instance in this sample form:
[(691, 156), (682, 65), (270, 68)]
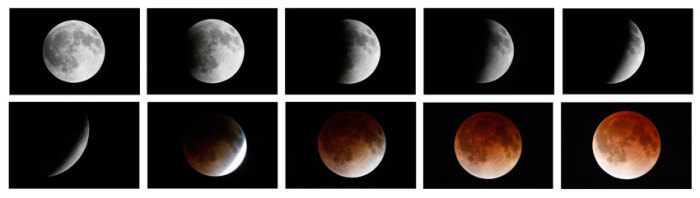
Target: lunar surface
[(488, 145), (73, 51), (76, 152), (626, 145), (351, 143), (217, 51), (362, 52), (632, 57), (499, 53), (215, 145)]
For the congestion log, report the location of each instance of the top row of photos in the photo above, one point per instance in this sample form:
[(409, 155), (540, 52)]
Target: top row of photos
[(350, 51)]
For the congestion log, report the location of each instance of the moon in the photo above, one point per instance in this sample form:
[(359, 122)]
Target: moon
[(76, 152), (217, 51), (351, 143), (73, 51), (499, 53), (215, 145), (632, 57), (626, 145), (362, 52), (488, 145)]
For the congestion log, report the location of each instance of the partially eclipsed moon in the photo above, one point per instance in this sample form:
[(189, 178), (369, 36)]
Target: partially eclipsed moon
[(362, 52), (632, 57), (73, 51), (76, 152), (499, 53), (488, 145), (217, 51), (215, 145), (351, 143), (626, 145)]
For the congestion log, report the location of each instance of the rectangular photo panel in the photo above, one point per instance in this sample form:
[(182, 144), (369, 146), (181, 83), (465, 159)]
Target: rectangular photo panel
[(74, 51), (489, 51), (212, 145), (74, 145), (212, 51), (350, 51), (351, 145), (487, 145), (628, 51), (626, 146)]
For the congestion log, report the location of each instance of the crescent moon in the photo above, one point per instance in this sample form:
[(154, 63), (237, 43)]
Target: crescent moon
[(499, 54), (77, 151), (362, 52), (632, 57)]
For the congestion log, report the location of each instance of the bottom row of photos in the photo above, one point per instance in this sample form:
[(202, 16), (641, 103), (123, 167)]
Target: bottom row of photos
[(350, 145)]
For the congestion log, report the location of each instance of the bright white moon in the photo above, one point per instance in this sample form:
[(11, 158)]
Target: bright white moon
[(363, 52), (73, 51), (217, 50)]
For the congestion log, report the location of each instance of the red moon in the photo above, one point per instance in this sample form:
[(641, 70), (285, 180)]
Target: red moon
[(488, 145), (351, 143), (215, 145), (626, 145)]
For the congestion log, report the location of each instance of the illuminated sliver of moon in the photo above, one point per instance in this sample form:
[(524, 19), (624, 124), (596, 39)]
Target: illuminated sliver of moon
[(499, 53), (77, 151), (362, 52), (632, 57), (236, 161)]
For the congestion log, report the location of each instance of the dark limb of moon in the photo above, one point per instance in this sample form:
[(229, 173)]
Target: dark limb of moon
[(73, 51), (632, 57), (215, 145), (75, 152), (217, 51), (362, 52), (626, 145), (351, 143), (488, 145)]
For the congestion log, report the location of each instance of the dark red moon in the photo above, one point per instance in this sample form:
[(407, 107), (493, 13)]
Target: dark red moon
[(488, 145), (351, 143), (215, 145), (626, 145)]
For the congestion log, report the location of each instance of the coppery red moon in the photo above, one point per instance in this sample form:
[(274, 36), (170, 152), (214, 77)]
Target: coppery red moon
[(215, 145), (351, 143), (626, 145), (488, 145)]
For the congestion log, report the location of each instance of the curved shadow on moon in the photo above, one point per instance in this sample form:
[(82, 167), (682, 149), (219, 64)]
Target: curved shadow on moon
[(215, 145), (76, 152), (626, 145), (632, 57), (217, 51)]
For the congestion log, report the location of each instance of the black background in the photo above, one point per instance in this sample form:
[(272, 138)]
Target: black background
[(41, 132), (594, 40), (119, 73), (441, 168), (168, 167), (314, 51), (169, 54), (305, 168), (454, 50), (580, 169)]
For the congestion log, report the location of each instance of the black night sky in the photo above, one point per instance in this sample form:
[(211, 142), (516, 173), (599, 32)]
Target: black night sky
[(441, 168), (41, 134), (314, 51), (119, 73), (580, 169), (169, 54), (594, 40), (455, 49), (168, 167), (305, 168)]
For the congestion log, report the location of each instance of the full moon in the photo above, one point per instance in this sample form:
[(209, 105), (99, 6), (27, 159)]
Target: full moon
[(362, 52), (488, 145), (217, 51), (76, 152), (499, 53), (351, 143), (73, 51), (215, 145), (632, 57), (626, 145)]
